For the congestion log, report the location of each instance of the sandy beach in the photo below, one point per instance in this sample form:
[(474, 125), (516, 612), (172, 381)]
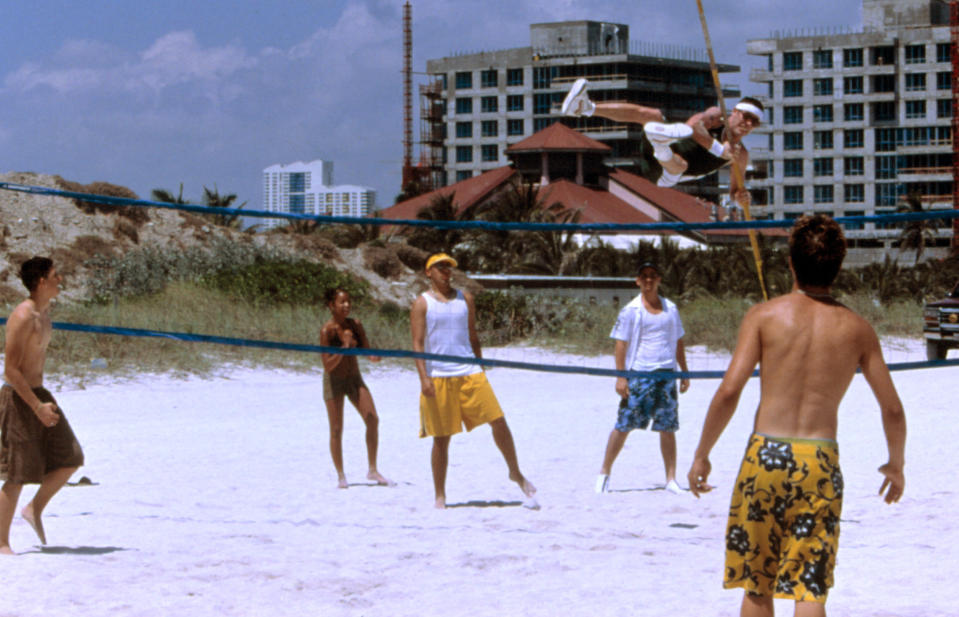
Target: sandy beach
[(216, 496)]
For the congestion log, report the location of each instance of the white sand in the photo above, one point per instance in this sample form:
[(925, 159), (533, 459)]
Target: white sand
[(216, 497)]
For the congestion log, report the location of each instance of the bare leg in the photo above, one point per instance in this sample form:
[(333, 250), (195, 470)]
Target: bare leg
[(439, 459), (676, 165), (364, 405), (504, 441), (628, 112), (667, 444), (334, 410), (8, 503), (810, 609), (757, 606), (613, 447), (52, 482)]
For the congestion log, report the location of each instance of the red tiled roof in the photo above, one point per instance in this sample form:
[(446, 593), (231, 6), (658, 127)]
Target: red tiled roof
[(558, 136), (596, 206), (468, 193)]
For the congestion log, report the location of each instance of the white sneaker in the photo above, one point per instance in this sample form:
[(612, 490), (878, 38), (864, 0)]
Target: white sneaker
[(602, 483), (665, 134), (673, 488), (577, 102)]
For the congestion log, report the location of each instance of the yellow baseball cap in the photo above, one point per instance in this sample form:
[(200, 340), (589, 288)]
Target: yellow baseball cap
[(440, 258)]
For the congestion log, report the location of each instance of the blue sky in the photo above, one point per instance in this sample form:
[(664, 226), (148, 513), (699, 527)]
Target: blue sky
[(153, 93)]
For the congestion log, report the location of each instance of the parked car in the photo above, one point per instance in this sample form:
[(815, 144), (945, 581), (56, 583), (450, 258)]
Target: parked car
[(941, 327)]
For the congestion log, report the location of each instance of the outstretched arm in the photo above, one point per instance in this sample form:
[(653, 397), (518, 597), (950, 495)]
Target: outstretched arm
[(724, 402), (877, 375)]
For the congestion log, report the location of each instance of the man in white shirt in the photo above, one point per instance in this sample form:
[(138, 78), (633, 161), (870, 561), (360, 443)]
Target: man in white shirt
[(649, 337)]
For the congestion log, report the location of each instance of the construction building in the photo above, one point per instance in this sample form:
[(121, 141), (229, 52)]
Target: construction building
[(307, 188), (856, 121), (480, 104)]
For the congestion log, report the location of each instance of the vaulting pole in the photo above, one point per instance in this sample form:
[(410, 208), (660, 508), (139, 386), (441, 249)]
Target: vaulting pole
[(736, 171)]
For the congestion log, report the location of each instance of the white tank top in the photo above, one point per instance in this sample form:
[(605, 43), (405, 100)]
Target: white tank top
[(447, 332)]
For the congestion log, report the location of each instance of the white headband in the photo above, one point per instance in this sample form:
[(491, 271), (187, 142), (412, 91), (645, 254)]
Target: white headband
[(749, 108)]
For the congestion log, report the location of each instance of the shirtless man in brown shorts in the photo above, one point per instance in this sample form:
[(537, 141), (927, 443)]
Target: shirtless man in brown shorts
[(37, 445)]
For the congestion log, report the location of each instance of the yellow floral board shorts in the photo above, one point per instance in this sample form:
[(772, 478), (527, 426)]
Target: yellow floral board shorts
[(460, 401), (783, 529)]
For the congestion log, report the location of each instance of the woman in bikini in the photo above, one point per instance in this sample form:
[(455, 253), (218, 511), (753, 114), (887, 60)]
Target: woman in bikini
[(342, 380)]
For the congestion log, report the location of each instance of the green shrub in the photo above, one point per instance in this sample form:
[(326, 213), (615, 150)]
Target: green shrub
[(285, 282)]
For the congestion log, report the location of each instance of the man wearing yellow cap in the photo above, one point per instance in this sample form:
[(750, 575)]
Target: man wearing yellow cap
[(455, 394)]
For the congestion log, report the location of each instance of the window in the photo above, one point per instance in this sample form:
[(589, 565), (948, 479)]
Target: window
[(887, 194), (853, 166), (883, 111), (792, 168), (852, 112), (851, 195), (943, 52), (884, 55), (853, 138), (915, 54), (792, 114), (944, 81), (822, 167), (792, 61), (854, 194), (514, 77), (792, 87), (792, 141), (464, 106), (915, 82), (489, 128), (769, 62), (297, 204), (822, 193), (464, 129), (542, 77), (515, 127), (463, 174), (489, 153), (852, 57), (297, 182), (883, 83), (488, 78), (822, 59), (489, 104), (792, 195), (542, 103), (886, 167), (514, 102), (822, 87), (822, 140), (944, 108), (915, 109), (822, 113), (885, 140), (464, 154), (852, 85), (464, 79), (541, 123)]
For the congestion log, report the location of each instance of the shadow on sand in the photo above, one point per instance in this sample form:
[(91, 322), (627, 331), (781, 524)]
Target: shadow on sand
[(77, 550), (476, 503)]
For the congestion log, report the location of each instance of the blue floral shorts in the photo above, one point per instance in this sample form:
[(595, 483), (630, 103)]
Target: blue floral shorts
[(649, 399)]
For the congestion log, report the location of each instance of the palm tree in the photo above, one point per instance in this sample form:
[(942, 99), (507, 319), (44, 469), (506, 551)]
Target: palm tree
[(213, 199), (443, 207), (167, 197), (915, 235)]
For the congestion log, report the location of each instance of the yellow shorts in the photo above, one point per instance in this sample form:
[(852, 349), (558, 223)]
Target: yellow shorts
[(783, 529), (460, 401)]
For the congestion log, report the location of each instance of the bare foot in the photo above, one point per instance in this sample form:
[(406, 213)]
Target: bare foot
[(6, 550), (525, 485), (440, 503), (35, 522), (342, 483), (377, 477)]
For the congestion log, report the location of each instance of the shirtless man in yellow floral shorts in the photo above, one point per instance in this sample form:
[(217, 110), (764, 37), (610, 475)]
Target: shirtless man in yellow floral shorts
[(783, 529)]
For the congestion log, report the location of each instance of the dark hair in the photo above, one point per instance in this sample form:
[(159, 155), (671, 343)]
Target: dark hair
[(752, 101), (34, 269), (331, 293), (648, 264), (817, 247)]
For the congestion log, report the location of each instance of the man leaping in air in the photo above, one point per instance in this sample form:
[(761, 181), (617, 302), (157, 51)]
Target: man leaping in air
[(673, 153)]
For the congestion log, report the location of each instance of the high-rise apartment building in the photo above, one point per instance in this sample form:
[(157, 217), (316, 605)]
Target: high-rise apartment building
[(307, 188), (857, 121), (481, 103)]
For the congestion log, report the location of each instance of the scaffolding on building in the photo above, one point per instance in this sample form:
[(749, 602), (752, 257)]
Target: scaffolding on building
[(954, 31)]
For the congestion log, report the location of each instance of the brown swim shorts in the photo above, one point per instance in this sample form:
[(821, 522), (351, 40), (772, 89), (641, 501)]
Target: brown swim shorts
[(28, 449), (348, 386)]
